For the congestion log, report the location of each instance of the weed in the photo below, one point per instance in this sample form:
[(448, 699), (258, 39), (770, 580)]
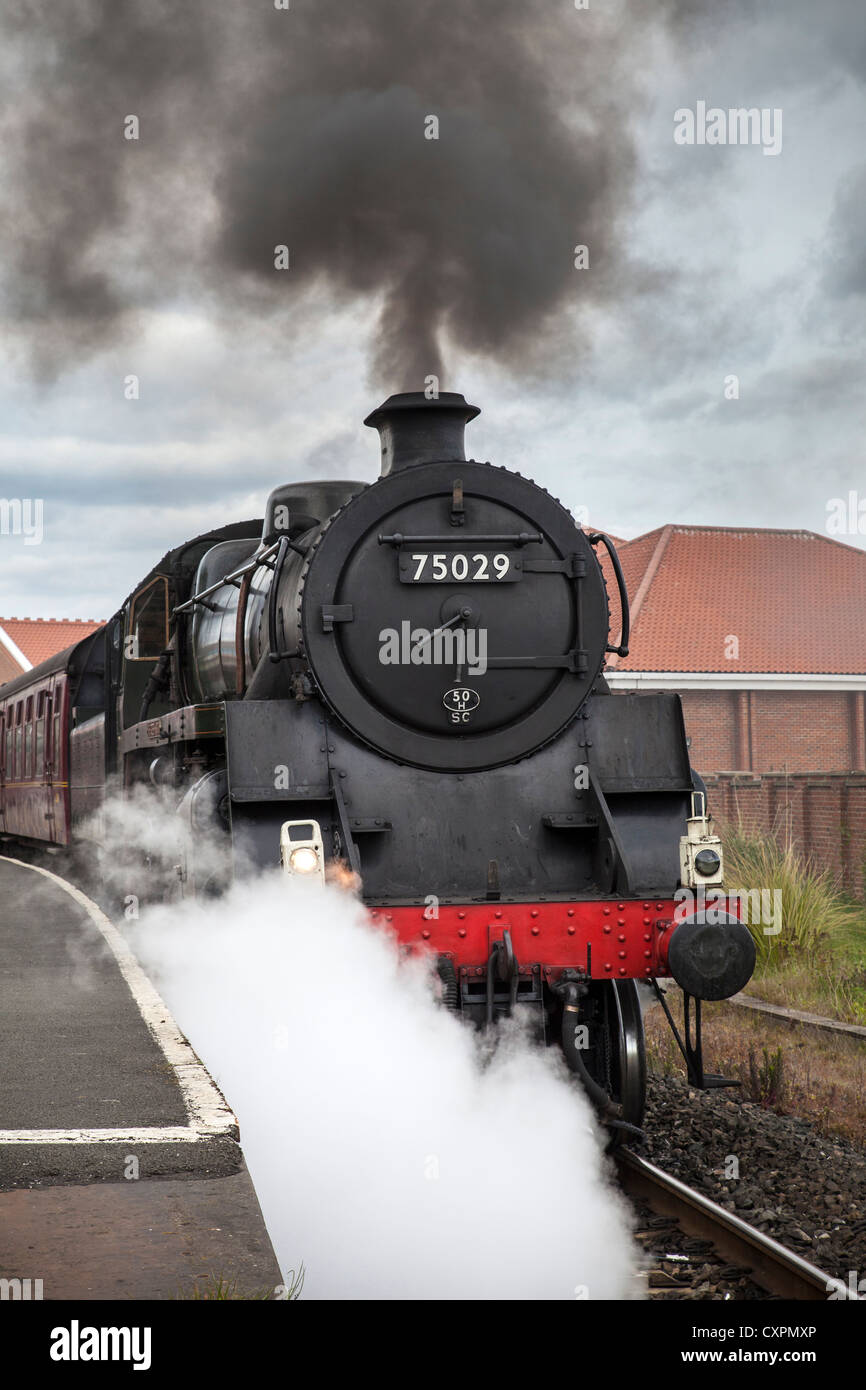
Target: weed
[(764, 1082)]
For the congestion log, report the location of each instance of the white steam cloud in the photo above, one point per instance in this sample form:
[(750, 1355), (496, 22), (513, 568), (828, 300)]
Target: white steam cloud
[(391, 1154)]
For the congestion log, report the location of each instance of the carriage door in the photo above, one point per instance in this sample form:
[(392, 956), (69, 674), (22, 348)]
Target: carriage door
[(2, 770)]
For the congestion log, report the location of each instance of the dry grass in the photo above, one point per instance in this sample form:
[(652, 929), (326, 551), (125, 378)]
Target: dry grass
[(222, 1288), (814, 912), (790, 1068), (817, 962), (825, 985)]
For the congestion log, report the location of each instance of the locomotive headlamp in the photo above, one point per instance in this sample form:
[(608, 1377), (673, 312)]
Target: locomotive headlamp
[(708, 862), (700, 849), (301, 849), (304, 860)]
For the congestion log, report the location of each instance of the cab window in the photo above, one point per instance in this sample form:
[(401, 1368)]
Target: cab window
[(147, 635)]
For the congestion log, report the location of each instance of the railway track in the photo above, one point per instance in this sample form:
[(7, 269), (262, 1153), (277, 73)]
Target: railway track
[(770, 1265)]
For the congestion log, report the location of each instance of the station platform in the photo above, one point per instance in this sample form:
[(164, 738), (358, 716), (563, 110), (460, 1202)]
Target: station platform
[(121, 1171)]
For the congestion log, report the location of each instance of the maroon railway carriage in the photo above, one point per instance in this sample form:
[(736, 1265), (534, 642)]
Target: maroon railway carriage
[(39, 799)]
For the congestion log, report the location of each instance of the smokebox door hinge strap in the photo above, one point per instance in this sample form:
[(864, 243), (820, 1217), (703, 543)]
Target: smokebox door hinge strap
[(336, 613), (574, 566), (575, 661)]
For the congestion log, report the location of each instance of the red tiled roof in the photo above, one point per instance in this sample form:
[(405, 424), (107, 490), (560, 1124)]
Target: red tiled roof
[(40, 638), (795, 600)]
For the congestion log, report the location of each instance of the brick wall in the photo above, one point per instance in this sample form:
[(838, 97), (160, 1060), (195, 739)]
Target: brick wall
[(775, 731), (800, 732), (824, 816), (710, 725)]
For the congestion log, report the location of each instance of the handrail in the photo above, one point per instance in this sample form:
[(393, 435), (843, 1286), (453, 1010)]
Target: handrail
[(622, 649), (232, 578)]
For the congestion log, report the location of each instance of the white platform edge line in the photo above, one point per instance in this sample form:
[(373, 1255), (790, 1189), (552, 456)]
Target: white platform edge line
[(168, 1135), (208, 1112)]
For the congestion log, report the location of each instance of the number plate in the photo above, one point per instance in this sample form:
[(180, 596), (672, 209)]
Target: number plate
[(459, 567)]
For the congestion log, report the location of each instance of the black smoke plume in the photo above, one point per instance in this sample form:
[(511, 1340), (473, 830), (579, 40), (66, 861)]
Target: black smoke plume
[(307, 127)]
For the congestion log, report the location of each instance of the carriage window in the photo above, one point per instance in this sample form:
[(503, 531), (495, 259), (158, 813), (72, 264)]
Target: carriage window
[(19, 742), (55, 744), (147, 636), (27, 766), (40, 747), (10, 754)]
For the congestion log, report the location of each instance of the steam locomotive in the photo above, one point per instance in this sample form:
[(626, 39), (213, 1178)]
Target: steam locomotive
[(402, 682)]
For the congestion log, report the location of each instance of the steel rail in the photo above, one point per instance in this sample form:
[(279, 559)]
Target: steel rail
[(771, 1265)]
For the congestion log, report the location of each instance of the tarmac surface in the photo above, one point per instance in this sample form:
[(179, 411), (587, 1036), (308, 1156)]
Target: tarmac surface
[(141, 1240), (121, 1174)]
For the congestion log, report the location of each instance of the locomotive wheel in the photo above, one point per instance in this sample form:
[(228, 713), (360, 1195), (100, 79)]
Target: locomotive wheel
[(616, 1058), (628, 1052)]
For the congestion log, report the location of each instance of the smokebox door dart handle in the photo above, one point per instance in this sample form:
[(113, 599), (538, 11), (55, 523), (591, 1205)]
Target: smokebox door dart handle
[(436, 631)]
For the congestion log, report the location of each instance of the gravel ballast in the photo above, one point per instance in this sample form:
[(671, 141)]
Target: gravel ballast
[(786, 1179)]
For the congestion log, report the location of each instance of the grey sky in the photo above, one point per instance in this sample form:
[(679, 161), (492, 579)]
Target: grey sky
[(730, 262)]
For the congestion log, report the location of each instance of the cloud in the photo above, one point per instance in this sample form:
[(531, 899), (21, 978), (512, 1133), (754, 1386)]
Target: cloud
[(608, 389), (438, 159), (845, 272)]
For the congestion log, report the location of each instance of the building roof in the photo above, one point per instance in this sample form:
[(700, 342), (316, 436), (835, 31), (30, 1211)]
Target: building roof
[(26, 642), (794, 601)]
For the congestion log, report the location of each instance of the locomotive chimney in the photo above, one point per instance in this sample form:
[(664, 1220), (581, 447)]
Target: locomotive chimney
[(414, 429)]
